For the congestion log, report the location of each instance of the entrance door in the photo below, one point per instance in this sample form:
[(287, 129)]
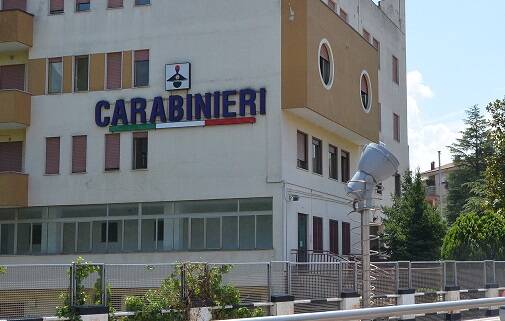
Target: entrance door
[(302, 237)]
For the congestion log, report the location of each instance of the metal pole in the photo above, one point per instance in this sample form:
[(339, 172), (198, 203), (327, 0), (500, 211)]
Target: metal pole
[(444, 276), (355, 270), (340, 277), (289, 277), (104, 287), (269, 276), (365, 252), (410, 275), (441, 205), (397, 276)]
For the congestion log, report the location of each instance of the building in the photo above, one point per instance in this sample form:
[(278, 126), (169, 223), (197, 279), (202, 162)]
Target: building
[(437, 186), (162, 130)]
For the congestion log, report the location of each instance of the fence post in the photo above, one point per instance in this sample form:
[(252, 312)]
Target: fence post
[(397, 276), (269, 279), (289, 277), (406, 297), (444, 276), (340, 277), (104, 286), (355, 269), (410, 275), (72, 284)]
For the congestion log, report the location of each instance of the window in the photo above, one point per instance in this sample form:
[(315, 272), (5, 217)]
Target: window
[(14, 4), (56, 6), (12, 77), (264, 232), (376, 44), (112, 152), (317, 234), (230, 232), (141, 68), (140, 150), (115, 4), (142, 2), (7, 239), (396, 127), (110, 233), (334, 237), (344, 15), (79, 154), (82, 5), (345, 166), (346, 238), (81, 73), (332, 5), (325, 64), (11, 157), (55, 75), (317, 156), (333, 161), (52, 155), (246, 232), (302, 156), (366, 35), (365, 92), (396, 72), (398, 185), (114, 64)]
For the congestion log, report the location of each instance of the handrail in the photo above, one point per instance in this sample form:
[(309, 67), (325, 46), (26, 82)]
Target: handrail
[(391, 311)]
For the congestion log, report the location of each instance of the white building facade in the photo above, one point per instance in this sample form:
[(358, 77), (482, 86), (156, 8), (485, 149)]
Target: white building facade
[(164, 131)]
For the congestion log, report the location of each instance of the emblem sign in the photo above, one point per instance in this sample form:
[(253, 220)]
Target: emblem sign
[(177, 76)]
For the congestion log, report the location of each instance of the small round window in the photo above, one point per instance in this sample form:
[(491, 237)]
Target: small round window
[(366, 91), (326, 64)]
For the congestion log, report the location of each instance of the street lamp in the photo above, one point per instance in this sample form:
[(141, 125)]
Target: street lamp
[(375, 165)]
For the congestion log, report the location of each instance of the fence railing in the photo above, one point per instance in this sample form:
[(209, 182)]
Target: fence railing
[(34, 290)]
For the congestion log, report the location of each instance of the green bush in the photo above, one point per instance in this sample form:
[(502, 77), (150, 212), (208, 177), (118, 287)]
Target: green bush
[(203, 286), (3, 270), (476, 237)]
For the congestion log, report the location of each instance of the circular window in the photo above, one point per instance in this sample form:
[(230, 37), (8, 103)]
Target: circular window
[(326, 67), (365, 91)]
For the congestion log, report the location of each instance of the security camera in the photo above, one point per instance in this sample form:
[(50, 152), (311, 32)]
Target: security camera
[(294, 198), (375, 165)]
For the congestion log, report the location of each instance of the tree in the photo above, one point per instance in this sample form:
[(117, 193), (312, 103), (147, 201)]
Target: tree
[(476, 237), (495, 171), (413, 229), (469, 153)]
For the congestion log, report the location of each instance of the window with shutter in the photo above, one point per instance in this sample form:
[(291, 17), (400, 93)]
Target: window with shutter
[(52, 155), (333, 161), (396, 75), (344, 15), (140, 150), (79, 154), (82, 5), (14, 4), (334, 237), (12, 77), (11, 157), (317, 156), (346, 238), (317, 234), (56, 6), (396, 127), (114, 63), (112, 152), (115, 4), (345, 166)]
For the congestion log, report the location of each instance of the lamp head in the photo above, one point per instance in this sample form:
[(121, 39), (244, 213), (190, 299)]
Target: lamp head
[(375, 165)]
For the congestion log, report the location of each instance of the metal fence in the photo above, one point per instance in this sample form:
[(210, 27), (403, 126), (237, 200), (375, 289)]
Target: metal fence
[(35, 290)]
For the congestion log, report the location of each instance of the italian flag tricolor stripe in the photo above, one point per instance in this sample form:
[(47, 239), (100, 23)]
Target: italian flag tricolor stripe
[(184, 124)]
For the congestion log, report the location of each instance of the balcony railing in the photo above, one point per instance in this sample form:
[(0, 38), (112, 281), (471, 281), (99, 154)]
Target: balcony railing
[(15, 109), (431, 191), (16, 30)]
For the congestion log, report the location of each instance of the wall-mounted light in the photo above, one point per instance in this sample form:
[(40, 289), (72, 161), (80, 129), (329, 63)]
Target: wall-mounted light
[(294, 198), (291, 13)]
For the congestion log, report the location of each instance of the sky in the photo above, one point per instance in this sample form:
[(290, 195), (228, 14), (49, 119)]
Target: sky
[(455, 59)]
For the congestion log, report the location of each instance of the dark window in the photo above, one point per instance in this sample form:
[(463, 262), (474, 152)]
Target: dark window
[(79, 145), (11, 157), (332, 5), (12, 77), (112, 151), (161, 230), (396, 127), (82, 5), (346, 238), (114, 65), (396, 72), (14, 4), (334, 237), (317, 156), (398, 185), (365, 96), (142, 2), (324, 64), (141, 68), (140, 150), (56, 6), (366, 35), (52, 155), (333, 160), (302, 156), (317, 234), (344, 15), (81, 73), (112, 235), (115, 4), (36, 234), (345, 166)]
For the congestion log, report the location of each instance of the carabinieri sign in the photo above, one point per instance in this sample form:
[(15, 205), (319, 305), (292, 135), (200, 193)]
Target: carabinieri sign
[(228, 107)]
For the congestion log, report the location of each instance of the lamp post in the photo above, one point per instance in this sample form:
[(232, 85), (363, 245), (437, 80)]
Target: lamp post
[(375, 165)]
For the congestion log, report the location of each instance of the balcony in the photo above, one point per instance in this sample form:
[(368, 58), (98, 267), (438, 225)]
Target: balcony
[(336, 106), (15, 109), (16, 30), (14, 187)]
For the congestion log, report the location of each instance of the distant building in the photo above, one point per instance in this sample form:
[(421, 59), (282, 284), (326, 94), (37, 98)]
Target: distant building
[(436, 193)]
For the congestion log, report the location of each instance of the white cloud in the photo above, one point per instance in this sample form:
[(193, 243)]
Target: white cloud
[(427, 136)]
